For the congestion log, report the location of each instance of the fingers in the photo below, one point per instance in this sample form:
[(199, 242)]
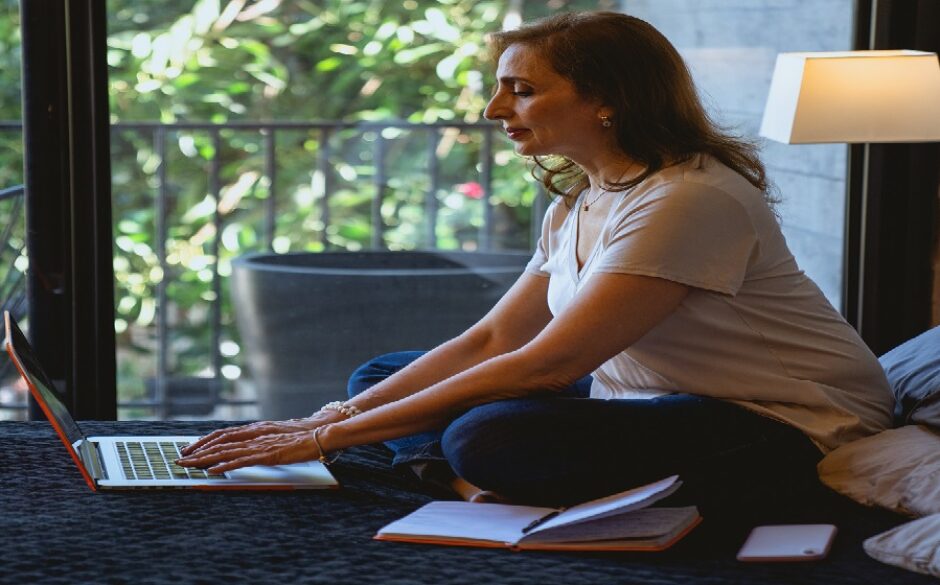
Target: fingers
[(264, 450), (225, 438), (204, 460), (214, 453), (220, 436), (231, 435), (198, 444), (247, 432)]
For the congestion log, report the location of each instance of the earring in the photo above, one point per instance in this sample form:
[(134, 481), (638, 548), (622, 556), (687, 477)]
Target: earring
[(605, 122)]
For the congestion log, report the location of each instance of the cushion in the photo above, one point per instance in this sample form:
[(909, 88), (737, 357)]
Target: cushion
[(898, 469), (913, 370), (914, 546)]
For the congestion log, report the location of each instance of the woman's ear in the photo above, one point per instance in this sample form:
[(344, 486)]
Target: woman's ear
[(604, 116)]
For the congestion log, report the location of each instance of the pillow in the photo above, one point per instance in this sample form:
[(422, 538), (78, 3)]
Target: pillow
[(913, 370), (898, 469), (914, 546)]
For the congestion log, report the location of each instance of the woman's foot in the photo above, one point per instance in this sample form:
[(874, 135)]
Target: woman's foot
[(474, 494), (441, 475)]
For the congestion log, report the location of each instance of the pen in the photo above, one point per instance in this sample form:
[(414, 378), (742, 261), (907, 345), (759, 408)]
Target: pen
[(539, 521)]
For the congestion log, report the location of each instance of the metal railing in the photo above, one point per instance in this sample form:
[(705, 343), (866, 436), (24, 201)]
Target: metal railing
[(323, 164), (13, 281)]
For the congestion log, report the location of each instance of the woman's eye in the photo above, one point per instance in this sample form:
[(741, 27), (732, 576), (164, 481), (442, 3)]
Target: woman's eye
[(522, 92)]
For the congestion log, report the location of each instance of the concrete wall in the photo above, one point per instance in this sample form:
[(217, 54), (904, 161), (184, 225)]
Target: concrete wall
[(731, 47)]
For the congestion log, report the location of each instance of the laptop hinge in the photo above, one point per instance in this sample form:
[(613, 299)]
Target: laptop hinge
[(88, 451)]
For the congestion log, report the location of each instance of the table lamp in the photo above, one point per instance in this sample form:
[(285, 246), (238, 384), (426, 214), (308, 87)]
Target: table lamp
[(854, 97)]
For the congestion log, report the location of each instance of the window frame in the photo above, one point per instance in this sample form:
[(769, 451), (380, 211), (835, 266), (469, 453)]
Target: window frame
[(67, 170)]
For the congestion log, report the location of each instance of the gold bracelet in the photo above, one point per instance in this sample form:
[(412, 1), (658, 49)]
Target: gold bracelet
[(316, 441)]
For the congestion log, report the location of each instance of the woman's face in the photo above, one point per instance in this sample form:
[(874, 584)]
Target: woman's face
[(541, 111)]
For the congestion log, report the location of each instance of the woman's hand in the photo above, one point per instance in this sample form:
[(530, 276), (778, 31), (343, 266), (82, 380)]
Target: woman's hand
[(247, 432), (266, 449)]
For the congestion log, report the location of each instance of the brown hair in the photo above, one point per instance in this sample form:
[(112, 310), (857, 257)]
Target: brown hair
[(631, 67)]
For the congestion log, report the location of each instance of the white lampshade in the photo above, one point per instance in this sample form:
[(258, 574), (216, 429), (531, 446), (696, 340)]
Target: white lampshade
[(854, 96)]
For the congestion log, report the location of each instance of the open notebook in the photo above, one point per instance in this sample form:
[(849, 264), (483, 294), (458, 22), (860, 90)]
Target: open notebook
[(619, 522)]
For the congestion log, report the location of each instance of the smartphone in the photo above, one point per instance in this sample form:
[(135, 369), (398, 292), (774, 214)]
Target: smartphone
[(788, 542)]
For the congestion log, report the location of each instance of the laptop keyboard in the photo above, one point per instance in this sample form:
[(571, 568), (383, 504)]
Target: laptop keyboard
[(155, 460)]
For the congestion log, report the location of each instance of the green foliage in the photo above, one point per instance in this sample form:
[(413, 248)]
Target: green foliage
[(327, 60), (11, 141), (302, 61)]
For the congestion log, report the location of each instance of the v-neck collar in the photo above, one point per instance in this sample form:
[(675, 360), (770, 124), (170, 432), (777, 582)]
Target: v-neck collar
[(578, 273)]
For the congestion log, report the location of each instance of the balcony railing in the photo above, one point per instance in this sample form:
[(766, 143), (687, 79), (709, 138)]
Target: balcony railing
[(158, 137), (12, 280)]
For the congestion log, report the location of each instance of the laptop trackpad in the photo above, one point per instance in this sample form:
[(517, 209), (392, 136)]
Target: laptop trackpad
[(294, 473)]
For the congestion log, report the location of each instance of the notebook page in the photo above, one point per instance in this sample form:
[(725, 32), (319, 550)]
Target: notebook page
[(615, 504), (463, 520), (646, 524)]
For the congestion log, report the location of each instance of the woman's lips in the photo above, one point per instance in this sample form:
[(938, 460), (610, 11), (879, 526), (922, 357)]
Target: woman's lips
[(516, 133)]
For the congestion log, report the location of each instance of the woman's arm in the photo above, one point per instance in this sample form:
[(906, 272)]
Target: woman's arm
[(518, 317), (607, 316), (612, 312), (515, 320)]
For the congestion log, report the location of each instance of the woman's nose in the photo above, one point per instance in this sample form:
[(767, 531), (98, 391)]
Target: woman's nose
[(495, 109)]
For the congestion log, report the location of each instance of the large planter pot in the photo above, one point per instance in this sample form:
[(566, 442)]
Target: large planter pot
[(186, 395), (307, 320)]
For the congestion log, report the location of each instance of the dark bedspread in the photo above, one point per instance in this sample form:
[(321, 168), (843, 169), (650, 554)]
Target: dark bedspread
[(53, 529)]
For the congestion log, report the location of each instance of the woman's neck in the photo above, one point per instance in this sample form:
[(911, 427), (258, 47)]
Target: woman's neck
[(602, 176)]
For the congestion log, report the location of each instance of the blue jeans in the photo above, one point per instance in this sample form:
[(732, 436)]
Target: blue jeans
[(563, 448)]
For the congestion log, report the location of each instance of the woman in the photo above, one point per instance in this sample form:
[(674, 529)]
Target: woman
[(662, 287)]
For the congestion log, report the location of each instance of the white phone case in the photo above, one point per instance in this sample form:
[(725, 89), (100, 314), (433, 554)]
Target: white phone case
[(789, 542)]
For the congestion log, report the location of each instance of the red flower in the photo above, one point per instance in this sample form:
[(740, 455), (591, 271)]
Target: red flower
[(473, 190)]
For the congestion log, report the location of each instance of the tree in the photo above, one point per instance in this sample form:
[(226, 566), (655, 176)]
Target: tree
[(265, 61)]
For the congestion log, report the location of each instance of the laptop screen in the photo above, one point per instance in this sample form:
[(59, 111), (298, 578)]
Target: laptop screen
[(22, 353)]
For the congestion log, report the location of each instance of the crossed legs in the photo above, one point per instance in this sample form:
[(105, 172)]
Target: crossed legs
[(562, 448)]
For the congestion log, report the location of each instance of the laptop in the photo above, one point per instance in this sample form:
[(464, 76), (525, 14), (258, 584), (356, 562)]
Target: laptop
[(129, 462)]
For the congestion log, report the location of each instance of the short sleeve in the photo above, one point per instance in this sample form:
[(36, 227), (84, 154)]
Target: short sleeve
[(687, 232)]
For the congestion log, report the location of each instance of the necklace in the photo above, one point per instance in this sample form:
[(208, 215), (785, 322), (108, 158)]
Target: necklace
[(587, 205)]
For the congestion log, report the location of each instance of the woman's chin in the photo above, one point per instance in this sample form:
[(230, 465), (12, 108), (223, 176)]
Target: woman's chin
[(527, 149)]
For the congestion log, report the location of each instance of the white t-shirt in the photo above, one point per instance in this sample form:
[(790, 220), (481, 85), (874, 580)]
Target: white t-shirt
[(754, 329)]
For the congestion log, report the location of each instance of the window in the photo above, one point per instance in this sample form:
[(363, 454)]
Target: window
[(346, 135)]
